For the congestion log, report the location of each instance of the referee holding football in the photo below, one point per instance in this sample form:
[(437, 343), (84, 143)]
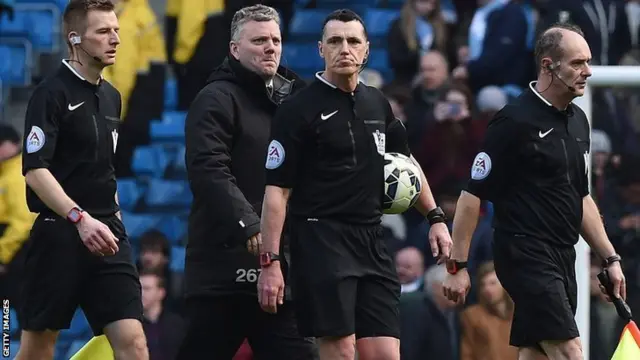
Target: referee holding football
[(534, 168), (78, 253), (326, 156)]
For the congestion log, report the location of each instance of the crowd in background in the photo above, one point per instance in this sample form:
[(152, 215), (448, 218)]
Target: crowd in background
[(454, 64)]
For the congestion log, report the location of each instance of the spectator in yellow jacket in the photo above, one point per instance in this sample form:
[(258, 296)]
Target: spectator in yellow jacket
[(15, 217)]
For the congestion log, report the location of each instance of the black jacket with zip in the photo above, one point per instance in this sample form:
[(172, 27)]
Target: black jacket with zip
[(227, 134)]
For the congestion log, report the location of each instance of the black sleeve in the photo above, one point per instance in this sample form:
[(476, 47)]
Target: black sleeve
[(209, 135), (288, 135), (492, 164), (41, 130), (396, 134)]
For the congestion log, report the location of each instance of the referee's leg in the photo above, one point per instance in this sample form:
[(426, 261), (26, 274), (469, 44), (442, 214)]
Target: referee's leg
[(111, 297), (51, 279)]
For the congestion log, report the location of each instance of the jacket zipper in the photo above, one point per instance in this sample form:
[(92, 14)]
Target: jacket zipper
[(566, 159), (97, 134), (353, 143)]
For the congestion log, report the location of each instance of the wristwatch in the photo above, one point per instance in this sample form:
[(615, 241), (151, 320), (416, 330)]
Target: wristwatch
[(610, 260), (436, 216), (75, 215), (266, 259), (453, 266)]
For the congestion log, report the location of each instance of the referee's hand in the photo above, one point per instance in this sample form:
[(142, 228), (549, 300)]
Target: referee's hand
[(618, 280), (456, 287), (97, 236), (271, 288), (440, 242)]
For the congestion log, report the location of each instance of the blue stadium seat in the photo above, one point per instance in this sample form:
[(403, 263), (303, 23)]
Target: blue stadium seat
[(14, 326), (303, 59), (39, 22), (149, 161), (59, 4), (394, 4), (170, 94), (128, 193), (379, 60), (79, 328), (378, 22), (14, 346), (168, 194), (17, 60), (177, 258), (138, 224), (306, 24), (174, 228), (170, 128), (359, 6)]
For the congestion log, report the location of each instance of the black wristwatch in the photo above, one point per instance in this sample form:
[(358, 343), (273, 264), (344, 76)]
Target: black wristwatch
[(610, 260), (266, 259), (436, 216), (453, 266)]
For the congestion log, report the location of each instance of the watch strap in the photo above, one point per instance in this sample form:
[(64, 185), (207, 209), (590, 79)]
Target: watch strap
[(436, 216), (610, 260)]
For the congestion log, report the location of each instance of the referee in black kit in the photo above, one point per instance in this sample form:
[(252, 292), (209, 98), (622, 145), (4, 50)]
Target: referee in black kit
[(326, 157), (78, 254), (534, 168), (227, 135)]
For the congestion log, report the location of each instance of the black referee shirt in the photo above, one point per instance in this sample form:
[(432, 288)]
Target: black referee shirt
[(328, 146), (534, 168), (71, 128)]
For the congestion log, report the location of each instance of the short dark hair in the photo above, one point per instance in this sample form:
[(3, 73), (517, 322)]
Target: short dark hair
[(548, 43), (74, 17), (159, 276), (9, 133), (344, 15)]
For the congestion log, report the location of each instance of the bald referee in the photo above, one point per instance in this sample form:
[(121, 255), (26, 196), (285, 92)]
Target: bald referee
[(534, 168)]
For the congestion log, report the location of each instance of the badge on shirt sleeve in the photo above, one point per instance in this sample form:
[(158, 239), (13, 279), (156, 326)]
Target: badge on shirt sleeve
[(481, 166), (275, 155), (35, 140), (380, 140)]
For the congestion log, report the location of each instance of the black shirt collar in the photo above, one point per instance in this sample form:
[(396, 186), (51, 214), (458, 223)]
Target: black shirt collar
[(68, 70), (324, 81), (533, 93)]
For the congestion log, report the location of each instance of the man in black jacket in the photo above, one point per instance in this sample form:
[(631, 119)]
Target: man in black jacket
[(227, 134)]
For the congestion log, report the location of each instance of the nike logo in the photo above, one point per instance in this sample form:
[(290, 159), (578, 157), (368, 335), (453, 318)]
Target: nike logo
[(73, 107), (543, 134), (325, 117)]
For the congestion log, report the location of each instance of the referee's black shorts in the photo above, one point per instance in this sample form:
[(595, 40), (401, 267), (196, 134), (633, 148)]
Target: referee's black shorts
[(343, 280), (541, 280), (61, 274), (217, 326)]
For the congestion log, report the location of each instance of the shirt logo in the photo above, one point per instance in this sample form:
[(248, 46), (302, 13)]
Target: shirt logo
[(35, 140), (114, 136), (543, 134), (73, 107), (380, 140), (275, 155), (325, 117), (481, 166), (586, 163)]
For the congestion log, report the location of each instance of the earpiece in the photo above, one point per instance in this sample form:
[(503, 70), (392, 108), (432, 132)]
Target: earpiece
[(75, 40)]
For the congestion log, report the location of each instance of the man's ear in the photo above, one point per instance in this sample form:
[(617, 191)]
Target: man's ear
[(233, 49), (320, 49)]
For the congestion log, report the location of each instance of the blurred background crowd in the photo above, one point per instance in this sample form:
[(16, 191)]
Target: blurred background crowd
[(446, 67)]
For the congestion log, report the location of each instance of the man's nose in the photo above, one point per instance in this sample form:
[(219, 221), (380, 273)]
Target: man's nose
[(115, 39)]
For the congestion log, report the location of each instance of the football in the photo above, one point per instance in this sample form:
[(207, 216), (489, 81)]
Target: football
[(402, 183)]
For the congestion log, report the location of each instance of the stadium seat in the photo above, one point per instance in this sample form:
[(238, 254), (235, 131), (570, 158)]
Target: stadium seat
[(38, 22), (149, 161), (378, 22), (128, 193), (177, 258), (17, 70), (14, 346), (168, 194), (138, 224), (170, 94), (306, 24), (303, 59), (59, 4), (16, 27), (379, 60), (359, 6), (174, 228), (170, 128), (79, 328), (394, 4), (14, 326)]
